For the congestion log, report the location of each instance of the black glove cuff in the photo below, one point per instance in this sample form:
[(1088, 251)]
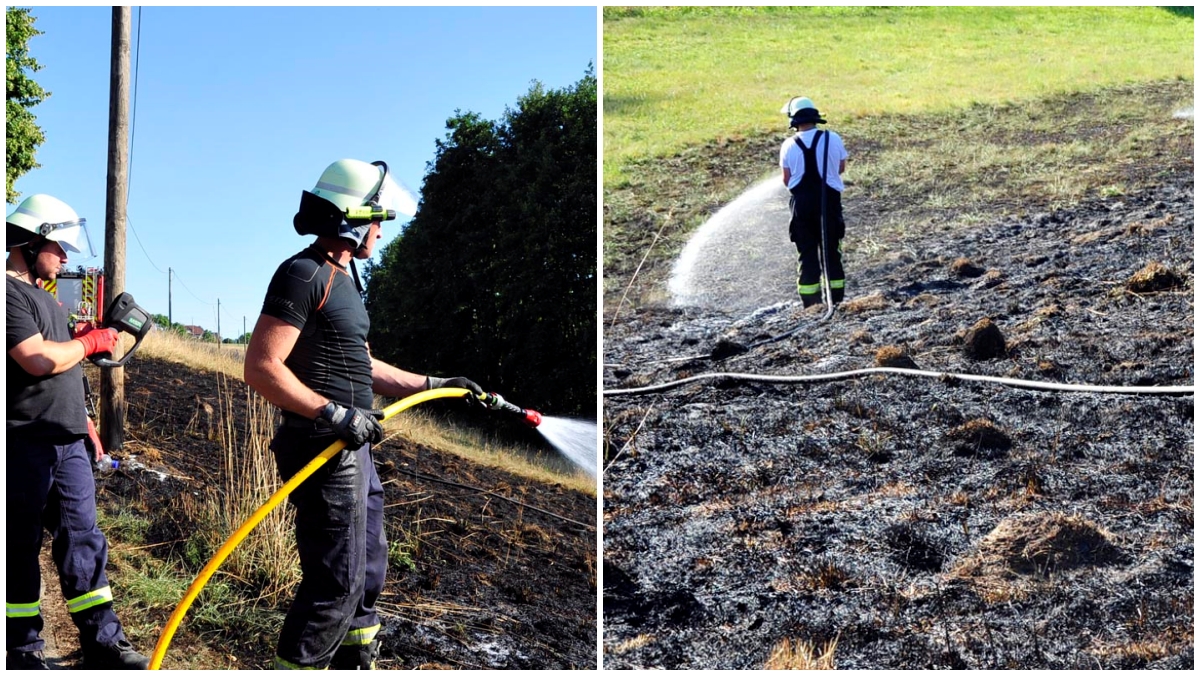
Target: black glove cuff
[(327, 412)]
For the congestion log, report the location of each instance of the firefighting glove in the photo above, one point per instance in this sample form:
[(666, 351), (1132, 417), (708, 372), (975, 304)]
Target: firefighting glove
[(433, 383), (97, 341), (355, 426)]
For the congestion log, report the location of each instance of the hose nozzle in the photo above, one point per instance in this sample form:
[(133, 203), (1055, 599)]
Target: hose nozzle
[(495, 402)]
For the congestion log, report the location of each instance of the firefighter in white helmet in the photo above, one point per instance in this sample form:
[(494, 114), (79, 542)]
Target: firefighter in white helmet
[(309, 356), (813, 161), (49, 484)]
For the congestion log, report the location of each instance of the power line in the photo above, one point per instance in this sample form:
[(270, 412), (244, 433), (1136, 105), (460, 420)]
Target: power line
[(143, 246), (192, 292), (137, 59)]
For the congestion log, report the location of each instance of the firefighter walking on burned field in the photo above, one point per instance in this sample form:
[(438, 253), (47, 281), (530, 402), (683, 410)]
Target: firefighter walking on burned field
[(49, 483), (813, 161), (309, 356)]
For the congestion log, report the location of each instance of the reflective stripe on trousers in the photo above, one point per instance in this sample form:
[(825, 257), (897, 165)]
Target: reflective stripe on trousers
[(49, 486), (343, 555)]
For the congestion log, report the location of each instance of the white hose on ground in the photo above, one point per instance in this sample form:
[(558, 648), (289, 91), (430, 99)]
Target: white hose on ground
[(846, 375)]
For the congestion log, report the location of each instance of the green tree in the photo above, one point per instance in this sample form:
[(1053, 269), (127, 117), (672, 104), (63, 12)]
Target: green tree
[(23, 135), (495, 277)]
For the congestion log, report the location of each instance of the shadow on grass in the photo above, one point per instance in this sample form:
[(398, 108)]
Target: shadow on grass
[(1189, 12)]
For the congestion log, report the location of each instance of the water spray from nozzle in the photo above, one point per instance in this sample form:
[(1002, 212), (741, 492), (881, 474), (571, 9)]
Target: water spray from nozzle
[(496, 402)]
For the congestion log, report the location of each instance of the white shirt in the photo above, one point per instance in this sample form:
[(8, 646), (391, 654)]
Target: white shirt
[(792, 158)]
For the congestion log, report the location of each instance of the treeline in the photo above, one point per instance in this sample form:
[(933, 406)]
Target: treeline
[(495, 276), (207, 337)]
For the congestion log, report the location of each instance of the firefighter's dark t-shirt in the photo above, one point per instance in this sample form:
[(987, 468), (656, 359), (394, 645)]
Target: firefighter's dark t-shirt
[(39, 407), (317, 296)]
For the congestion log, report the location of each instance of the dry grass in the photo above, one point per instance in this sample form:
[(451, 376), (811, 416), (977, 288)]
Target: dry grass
[(804, 655), (825, 574), (639, 641), (418, 426), (267, 558), (412, 425), (209, 357), (1154, 277), (875, 301), (1144, 651)]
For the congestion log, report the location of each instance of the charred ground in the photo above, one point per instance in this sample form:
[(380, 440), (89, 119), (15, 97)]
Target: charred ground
[(476, 580), (921, 523)]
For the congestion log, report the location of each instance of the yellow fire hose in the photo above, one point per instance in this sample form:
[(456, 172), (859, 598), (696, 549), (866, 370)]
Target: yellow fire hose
[(160, 650)]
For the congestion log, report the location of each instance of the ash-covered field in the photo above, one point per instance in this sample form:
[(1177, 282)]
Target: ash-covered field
[(920, 523)]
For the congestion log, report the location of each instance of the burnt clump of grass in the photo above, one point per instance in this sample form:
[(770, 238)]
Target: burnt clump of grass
[(823, 573), (1040, 545), (1153, 278), (984, 341), (912, 547), (964, 267), (979, 436), (894, 356)]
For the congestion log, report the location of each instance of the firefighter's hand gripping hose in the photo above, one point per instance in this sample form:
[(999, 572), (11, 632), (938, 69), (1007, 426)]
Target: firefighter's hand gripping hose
[(160, 650)]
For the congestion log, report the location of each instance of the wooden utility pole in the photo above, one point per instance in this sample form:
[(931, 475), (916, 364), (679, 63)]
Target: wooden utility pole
[(112, 380), (170, 317)]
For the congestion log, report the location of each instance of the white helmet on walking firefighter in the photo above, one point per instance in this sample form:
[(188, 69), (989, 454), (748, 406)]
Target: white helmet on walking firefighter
[(46, 217), (801, 109), (349, 196)]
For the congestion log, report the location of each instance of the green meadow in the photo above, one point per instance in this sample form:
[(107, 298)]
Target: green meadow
[(949, 113), (679, 76)]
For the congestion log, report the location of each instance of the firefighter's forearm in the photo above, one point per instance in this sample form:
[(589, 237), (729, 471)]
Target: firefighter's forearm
[(47, 358), (277, 384), (393, 382)]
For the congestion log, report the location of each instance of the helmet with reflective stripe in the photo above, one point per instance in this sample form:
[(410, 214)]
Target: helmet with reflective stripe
[(333, 207), (350, 183), (51, 218), (801, 109)]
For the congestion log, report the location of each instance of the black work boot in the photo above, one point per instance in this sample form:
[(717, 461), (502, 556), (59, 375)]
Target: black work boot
[(119, 655), (350, 657), (25, 660)]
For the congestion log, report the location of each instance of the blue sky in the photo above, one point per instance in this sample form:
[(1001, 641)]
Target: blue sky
[(238, 110)]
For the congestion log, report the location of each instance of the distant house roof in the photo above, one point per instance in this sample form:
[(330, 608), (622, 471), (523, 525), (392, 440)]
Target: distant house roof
[(195, 331)]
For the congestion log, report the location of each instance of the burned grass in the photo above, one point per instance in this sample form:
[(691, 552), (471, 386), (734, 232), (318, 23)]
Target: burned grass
[(487, 569), (920, 523)]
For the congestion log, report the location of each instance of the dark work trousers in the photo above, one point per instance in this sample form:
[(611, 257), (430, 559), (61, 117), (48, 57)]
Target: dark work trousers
[(50, 487), (805, 231), (343, 554)]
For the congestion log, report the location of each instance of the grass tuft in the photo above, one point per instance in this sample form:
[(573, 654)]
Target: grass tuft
[(791, 655)]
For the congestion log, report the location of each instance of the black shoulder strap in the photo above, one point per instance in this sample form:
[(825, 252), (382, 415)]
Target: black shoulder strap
[(816, 138), (357, 282)]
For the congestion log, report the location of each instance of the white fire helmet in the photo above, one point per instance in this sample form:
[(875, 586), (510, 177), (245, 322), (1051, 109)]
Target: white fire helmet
[(354, 183), (348, 184), (796, 104), (49, 217)]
